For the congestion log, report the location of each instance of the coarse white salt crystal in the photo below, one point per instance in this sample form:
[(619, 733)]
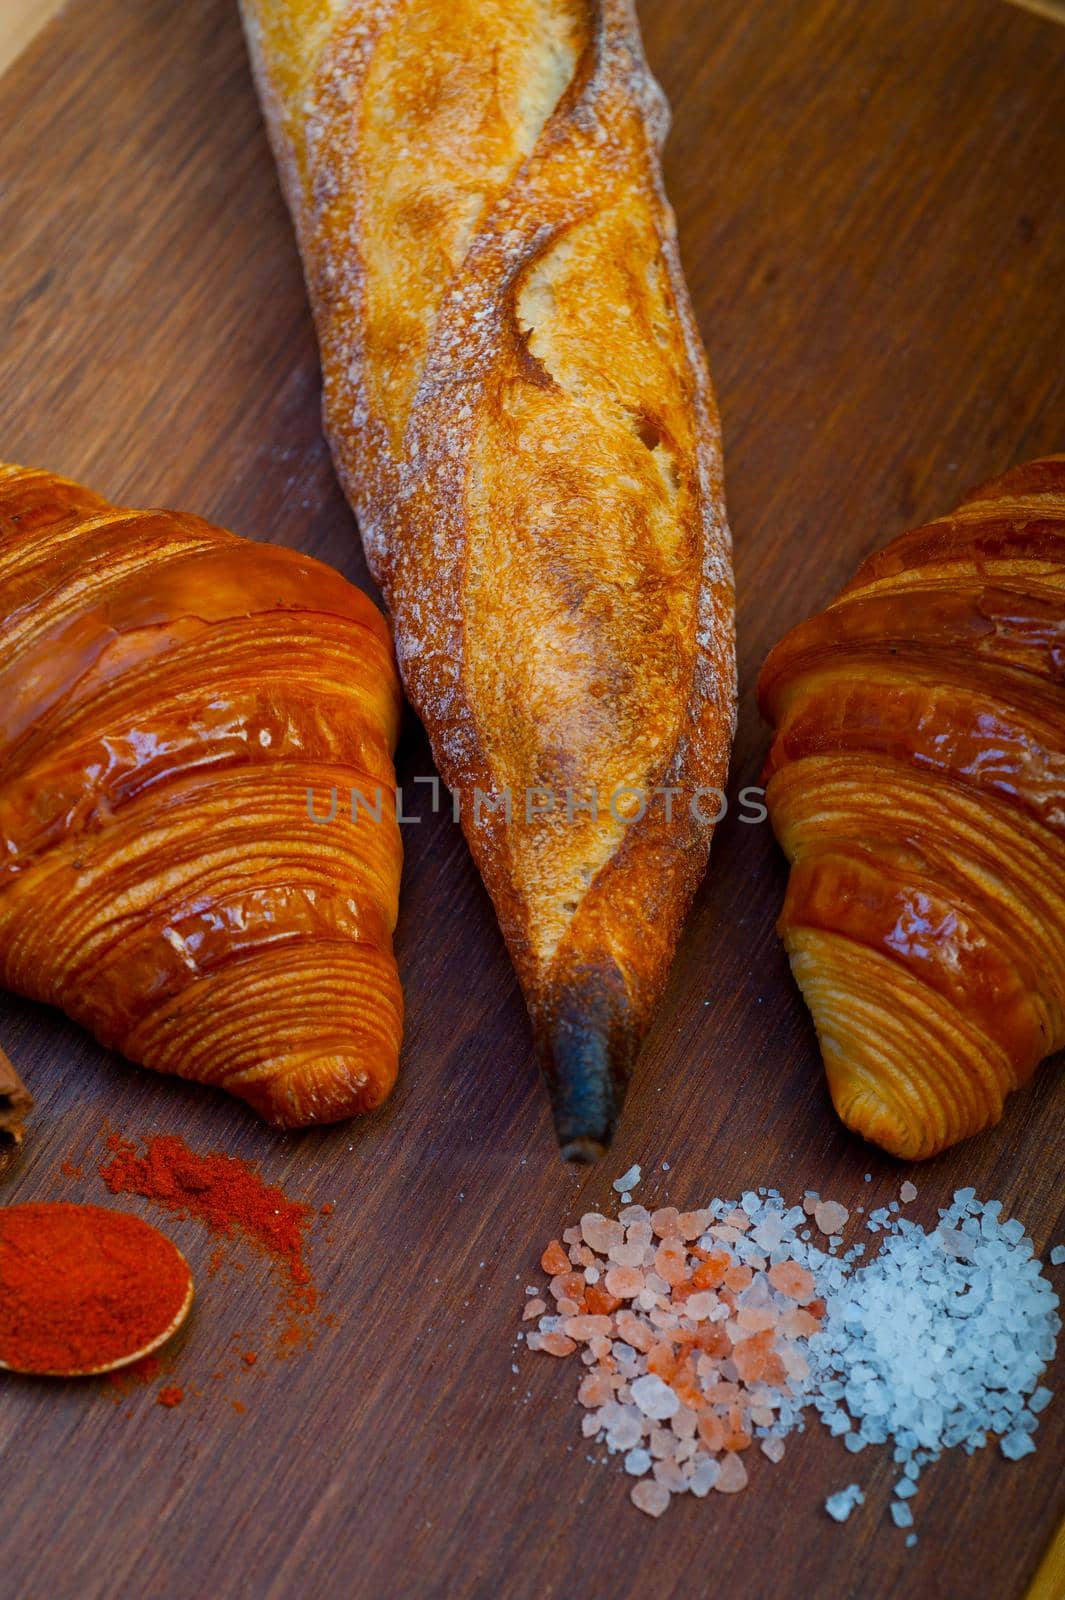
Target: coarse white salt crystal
[(637, 1462), (655, 1398), (840, 1505), (1057, 1255), (908, 1192), (1016, 1445), (901, 1515), (650, 1496), (704, 1476), (625, 1434), (628, 1180)]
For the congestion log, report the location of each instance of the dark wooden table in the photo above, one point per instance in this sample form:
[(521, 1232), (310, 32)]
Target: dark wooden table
[(869, 195)]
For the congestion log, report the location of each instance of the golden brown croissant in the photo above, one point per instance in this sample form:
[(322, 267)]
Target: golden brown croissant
[(170, 698), (521, 416), (917, 783)]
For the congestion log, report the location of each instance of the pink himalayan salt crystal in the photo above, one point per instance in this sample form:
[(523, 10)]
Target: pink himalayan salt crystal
[(809, 1202), (595, 1390), (683, 1423), (666, 1222), (908, 1192), (634, 1331), (654, 1338), (583, 1328), (650, 1496), (798, 1324), (755, 1319), (628, 1255), (671, 1262), (669, 1474), (601, 1232), (693, 1223), (830, 1216), (534, 1308), (793, 1280), (552, 1344), (625, 1282), (733, 1475), (564, 1285)]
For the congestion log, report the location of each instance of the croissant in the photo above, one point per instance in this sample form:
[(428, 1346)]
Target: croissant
[(521, 416), (173, 700), (916, 781)]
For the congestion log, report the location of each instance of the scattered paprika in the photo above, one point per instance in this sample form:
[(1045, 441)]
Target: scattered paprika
[(229, 1197)]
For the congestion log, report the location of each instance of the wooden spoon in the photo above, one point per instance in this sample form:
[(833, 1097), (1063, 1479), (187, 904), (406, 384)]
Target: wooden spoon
[(100, 1225)]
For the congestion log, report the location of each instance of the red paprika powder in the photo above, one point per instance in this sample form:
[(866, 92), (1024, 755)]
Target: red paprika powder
[(225, 1194), (81, 1287)]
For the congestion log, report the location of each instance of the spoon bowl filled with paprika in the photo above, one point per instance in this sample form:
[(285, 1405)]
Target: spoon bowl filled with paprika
[(85, 1290)]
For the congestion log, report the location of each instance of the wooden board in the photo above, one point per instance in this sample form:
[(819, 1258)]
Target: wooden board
[(869, 199)]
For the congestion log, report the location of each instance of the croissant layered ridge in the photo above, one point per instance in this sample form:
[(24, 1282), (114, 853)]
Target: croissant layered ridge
[(521, 415), (916, 781), (177, 707)]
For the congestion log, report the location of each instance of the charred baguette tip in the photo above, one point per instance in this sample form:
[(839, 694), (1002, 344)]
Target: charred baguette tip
[(590, 1050)]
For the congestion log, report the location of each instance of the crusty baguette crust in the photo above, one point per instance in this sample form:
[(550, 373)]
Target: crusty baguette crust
[(521, 415)]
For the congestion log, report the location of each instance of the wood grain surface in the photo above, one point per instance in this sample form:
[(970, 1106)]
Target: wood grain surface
[(870, 206)]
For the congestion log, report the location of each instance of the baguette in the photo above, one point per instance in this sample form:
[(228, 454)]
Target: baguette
[(521, 416)]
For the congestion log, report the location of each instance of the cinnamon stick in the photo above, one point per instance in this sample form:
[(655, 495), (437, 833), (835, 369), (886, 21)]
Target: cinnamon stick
[(16, 1102)]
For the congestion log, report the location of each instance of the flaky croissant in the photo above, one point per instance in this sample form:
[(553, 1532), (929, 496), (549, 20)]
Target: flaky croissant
[(172, 698), (521, 415), (916, 781)]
